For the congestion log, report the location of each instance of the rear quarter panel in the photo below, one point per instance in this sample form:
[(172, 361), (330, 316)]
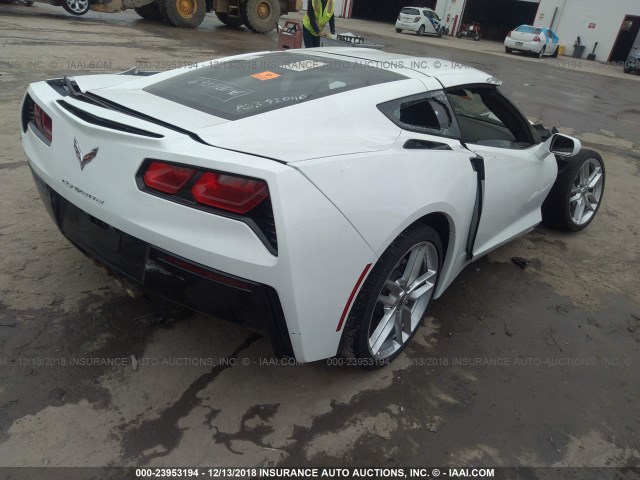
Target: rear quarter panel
[(383, 193)]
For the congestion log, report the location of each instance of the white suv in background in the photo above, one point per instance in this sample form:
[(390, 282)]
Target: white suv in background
[(420, 20)]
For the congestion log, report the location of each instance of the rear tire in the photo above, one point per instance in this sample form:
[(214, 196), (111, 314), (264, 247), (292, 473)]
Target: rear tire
[(577, 193), (626, 70), (229, 21), (459, 35), (182, 13), (396, 294), (76, 7), (476, 37), (398, 30), (260, 16), (441, 32), (507, 50), (149, 12)]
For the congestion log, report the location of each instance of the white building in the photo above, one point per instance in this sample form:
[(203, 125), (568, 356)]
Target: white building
[(614, 24)]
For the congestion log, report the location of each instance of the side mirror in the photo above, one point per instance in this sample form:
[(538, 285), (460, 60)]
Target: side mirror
[(559, 144)]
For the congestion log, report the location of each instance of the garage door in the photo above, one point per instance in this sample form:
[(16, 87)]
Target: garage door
[(498, 17), (385, 10)]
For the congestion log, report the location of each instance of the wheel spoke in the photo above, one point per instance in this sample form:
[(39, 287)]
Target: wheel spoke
[(575, 195), (595, 178), (422, 285), (412, 270), (402, 324), (383, 330), (584, 174), (591, 202), (579, 211)]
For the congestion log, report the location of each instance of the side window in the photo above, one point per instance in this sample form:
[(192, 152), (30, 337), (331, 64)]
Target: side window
[(425, 113), (485, 117), (435, 15)]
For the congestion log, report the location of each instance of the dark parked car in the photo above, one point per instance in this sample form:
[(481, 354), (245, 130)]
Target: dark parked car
[(633, 61)]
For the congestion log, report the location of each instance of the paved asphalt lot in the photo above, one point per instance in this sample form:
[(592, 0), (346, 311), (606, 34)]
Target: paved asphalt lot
[(533, 367)]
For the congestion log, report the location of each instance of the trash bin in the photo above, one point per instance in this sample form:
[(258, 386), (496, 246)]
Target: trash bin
[(561, 50), (578, 50), (290, 35)]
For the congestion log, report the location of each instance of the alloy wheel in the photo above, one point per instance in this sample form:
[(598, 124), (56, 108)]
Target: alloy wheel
[(403, 300), (586, 191)]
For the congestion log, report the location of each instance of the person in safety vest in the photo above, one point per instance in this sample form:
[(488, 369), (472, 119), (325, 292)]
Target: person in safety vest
[(319, 13)]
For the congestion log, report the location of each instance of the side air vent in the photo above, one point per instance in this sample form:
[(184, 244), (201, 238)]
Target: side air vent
[(105, 123)]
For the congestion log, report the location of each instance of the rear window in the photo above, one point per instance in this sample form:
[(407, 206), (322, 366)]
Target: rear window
[(410, 11), (242, 88), (529, 29)]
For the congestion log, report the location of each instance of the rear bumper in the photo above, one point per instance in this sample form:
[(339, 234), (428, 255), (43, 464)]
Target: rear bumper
[(532, 47), (162, 274), (413, 27)]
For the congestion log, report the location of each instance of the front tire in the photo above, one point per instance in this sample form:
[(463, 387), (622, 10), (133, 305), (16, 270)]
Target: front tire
[(182, 13), (394, 298), (260, 16), (507, 50), (541, 53), (421, 31), (555, 52), (577, 193), (76, 7), (398, 30), (441, 32)]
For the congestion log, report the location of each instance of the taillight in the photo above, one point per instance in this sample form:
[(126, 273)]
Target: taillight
[(416, 20), (43, 122), (536, 38), (166, 177), (245, 199), (37, 116), (228, 192), (47, 126)]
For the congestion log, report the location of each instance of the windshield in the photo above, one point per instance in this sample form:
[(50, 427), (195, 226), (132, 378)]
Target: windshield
[(241, 88), (410, 11), (529, 29)]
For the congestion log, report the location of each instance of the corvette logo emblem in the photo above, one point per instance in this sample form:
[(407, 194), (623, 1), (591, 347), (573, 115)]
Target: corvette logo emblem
[(86, 158)]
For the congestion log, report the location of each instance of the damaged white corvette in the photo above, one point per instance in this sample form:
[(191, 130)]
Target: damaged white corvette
[(326, 196)]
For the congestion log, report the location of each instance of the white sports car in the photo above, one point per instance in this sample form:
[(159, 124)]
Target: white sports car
[(326, 195)]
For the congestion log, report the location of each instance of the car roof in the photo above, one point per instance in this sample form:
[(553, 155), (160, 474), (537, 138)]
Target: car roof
[(447, 72), (419, 8)]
